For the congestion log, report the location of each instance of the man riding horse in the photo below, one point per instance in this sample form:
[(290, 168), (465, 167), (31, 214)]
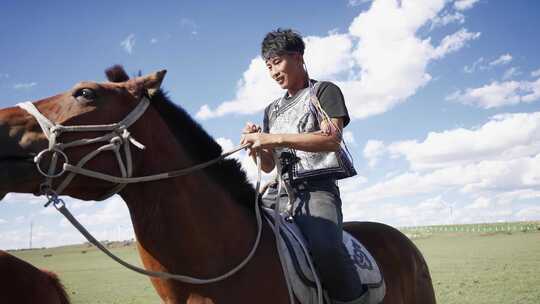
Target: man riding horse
[(187, 204), (302, 133)]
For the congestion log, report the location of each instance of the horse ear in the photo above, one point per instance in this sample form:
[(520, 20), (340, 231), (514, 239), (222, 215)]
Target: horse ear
[(152, 82)]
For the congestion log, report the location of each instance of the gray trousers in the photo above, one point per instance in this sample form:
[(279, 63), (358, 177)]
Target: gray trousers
[(317, 212)]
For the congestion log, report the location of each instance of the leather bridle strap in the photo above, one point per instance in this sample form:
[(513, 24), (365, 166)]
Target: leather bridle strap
[(117, 137), (155, 177), (116, 140)]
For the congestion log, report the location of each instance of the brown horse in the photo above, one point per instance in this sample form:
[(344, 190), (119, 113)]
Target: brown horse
[(201, 224), (23, 283)]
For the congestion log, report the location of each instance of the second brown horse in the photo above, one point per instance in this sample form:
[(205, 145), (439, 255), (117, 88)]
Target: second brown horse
[(22, 283)]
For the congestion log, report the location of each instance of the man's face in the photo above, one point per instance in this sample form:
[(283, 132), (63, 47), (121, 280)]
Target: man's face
[(286, 70)]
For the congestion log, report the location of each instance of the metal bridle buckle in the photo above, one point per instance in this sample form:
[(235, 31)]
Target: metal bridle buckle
[(39, 158), (52, 197)]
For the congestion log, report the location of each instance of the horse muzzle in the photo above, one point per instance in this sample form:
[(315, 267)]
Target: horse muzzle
[(17, 169)]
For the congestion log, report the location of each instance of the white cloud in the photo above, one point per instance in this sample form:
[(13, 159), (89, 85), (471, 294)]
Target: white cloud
[(328, 56), (42, 236), (225, 143), (429, 211), (509, 197), (488, 215), (128, 43), (503, 137), (479, 64), (504, 59), (205, 112), (349, 186), (48, 211), (476, 65), (511, 73), (499, 94), (2, 221), (4, 75), (153, 40), (110, 211), (388, 77), (496, 164), (535, 73), (348, 137), (462, 5), (23, 86), (378, 64), (19, 198), (471, 179), (440, 21), (252, 94), (529, 213), (115, 210), (454, 42), (479, 203), (106, 220), (407, 184), (373, 150)]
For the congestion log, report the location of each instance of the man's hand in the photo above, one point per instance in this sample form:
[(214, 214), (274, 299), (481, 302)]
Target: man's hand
[(332, 127), (259, 140), (251, 128), (252, 134)]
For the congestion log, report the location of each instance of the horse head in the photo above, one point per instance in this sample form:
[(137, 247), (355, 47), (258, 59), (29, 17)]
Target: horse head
[(40, 138)]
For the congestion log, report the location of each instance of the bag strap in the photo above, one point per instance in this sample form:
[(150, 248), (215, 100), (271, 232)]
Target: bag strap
[(316, 87)]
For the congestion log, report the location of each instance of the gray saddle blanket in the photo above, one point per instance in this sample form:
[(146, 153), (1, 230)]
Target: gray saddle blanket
[(303, 279)]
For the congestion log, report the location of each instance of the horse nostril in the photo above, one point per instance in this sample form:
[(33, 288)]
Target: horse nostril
[(13, 148)]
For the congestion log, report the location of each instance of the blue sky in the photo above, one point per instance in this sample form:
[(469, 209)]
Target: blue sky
[(443, 94)]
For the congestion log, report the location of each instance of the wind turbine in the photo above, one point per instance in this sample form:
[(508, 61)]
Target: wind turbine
[(450, 206)]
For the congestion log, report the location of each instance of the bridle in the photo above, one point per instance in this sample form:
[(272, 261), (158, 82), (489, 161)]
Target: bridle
[(117, 137)]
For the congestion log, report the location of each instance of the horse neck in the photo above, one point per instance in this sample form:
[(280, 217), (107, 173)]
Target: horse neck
[(188, 225)]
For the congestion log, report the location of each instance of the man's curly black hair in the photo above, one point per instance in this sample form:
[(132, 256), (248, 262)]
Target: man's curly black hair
[(280, 42)]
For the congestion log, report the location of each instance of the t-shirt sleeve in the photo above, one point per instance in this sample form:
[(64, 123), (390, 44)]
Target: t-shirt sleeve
[(332, 101), (266, 127)]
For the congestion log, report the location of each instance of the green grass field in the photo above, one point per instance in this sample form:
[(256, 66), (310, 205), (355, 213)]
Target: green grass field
[(466, 267), (92, 277)]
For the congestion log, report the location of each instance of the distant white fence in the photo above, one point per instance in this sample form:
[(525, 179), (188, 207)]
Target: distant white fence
[(473, 228)]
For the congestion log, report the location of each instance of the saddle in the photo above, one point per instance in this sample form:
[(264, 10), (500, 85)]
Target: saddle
[(303, 278)]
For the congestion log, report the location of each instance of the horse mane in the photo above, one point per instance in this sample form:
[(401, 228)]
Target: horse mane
[(58, 286), (199, 145)]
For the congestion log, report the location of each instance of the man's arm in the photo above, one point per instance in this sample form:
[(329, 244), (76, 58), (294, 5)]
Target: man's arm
[(321, 141)]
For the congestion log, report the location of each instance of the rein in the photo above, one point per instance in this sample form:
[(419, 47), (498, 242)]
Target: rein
[(118, 137)]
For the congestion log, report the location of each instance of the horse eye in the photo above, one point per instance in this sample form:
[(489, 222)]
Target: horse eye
[(86, 93)]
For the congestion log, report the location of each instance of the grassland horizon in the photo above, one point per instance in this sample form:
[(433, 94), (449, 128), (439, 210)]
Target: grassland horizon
[(480, 265)]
